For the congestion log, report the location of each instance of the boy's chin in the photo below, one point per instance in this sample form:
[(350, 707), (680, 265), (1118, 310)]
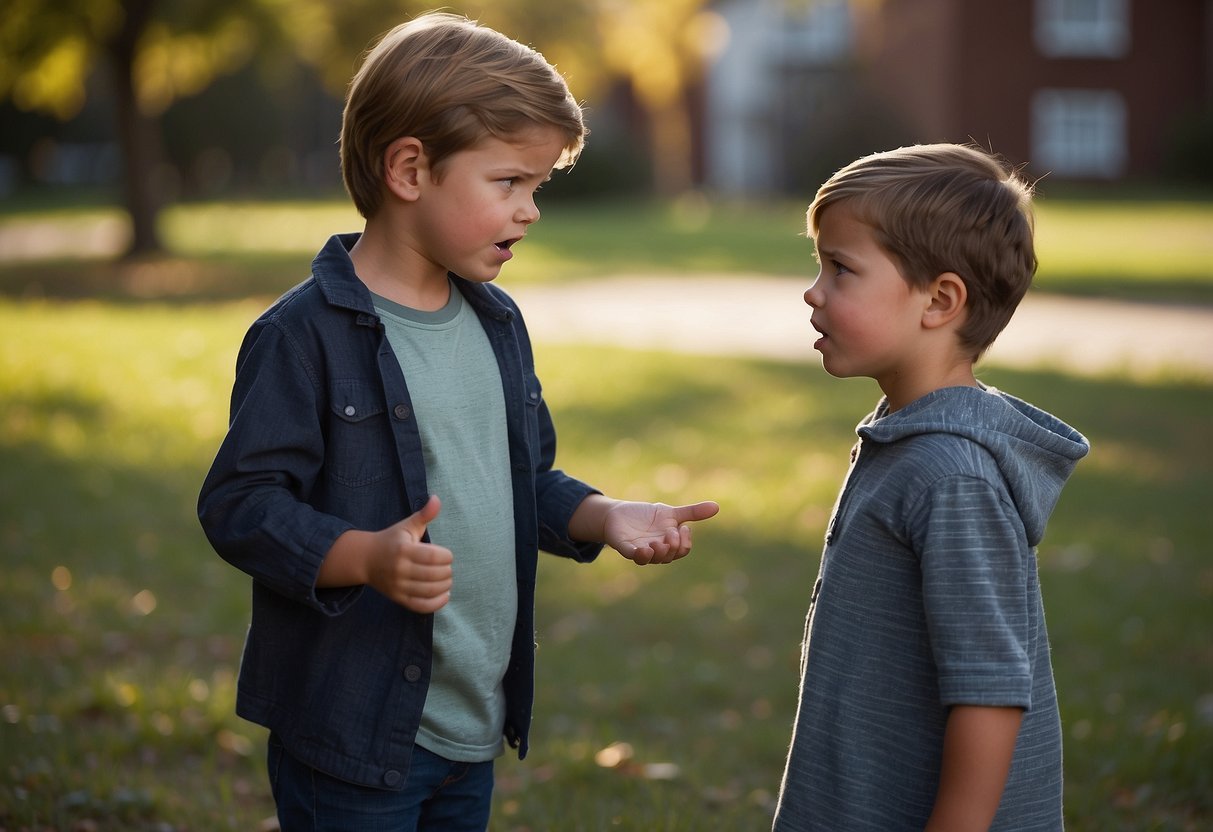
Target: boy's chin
[(481, 275), (833, 369)]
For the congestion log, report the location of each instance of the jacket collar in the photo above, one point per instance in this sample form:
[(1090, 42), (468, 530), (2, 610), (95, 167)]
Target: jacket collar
[(334, 274)]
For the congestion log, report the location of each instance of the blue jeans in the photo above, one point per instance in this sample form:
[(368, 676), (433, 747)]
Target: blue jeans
[(439, 795)]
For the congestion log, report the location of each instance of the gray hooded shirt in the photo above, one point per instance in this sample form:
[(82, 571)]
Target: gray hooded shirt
[(928, 597)]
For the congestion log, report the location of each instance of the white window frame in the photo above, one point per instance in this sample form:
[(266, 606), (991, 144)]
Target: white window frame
[(1080, 133), (1082, 28)]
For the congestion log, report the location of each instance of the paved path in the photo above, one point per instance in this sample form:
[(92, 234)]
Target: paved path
[(765, 317)]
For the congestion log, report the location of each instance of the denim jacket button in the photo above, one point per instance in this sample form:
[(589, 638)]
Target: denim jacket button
[(350, 410), (401, 411), (412, 673), (391, 777)]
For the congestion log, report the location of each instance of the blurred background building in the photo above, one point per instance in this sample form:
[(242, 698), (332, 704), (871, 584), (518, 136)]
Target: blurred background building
[(1104, 90), (740, 98)]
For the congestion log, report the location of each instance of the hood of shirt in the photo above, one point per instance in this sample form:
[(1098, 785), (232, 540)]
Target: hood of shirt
[(1035, 451)]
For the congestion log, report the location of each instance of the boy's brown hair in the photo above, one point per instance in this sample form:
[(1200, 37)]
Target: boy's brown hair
[(448, 82), (939, 208)]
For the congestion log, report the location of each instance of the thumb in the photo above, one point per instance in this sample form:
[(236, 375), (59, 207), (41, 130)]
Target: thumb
[(416, 523), (696, 511)]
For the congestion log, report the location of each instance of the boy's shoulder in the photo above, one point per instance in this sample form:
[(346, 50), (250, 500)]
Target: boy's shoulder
[(952, 432), (332, 285), (299, 309), (295, 301)]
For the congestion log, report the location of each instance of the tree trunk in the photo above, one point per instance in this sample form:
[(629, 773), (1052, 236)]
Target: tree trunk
[(137, 133), (670, 126)]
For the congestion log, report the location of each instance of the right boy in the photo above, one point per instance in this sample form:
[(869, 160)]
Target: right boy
[(391, 651), (927, 697)]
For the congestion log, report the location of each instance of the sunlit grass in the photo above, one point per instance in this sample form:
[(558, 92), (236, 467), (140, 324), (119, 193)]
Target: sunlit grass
[(1155, 250), (665, 695), (123, 630), (1118, 248)]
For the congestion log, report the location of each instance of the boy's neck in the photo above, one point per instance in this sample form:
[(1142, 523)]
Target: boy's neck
[(906, 389), (393, 269)]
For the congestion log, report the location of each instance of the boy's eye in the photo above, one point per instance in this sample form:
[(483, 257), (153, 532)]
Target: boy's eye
[(839, 268)]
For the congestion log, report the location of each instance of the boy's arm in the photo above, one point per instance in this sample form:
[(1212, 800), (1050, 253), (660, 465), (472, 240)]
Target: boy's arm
[(978, 745), (642, 532), (395, 561), (977, 593)]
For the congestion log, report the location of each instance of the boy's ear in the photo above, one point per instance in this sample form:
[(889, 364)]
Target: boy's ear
[(404, 163), (948, 298)]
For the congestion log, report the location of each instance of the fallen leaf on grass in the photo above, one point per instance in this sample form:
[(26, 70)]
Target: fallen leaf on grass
[(618, 756)]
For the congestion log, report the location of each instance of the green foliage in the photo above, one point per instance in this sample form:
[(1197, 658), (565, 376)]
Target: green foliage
[(665, 694)]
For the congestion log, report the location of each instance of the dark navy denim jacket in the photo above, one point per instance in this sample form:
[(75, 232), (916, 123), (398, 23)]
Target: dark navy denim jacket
[(322, 439)]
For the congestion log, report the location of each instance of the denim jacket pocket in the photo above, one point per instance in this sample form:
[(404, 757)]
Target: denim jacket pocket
[(358, 450)]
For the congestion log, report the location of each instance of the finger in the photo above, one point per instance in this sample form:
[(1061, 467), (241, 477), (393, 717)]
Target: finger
[(417, 522), (696, 511), (641, 555), (673, 539), (660, 553), (426, 555), (663, 558), (676, 545), (425, 573), (424, 588), (425, 605), (671, 548)]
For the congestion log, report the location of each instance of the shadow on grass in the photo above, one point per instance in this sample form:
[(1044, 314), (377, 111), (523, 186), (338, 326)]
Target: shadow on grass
[(1188, 290), (122, 634), (117, 677), (1124, 569), (161, 279)]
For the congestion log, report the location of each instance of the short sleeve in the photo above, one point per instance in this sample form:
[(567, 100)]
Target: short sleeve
[(974, 559)]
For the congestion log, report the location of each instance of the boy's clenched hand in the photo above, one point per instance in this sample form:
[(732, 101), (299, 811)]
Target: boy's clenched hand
[(394, 561), (414, 574)]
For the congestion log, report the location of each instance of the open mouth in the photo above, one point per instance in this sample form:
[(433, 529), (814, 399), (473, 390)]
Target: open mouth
[(504, 245)]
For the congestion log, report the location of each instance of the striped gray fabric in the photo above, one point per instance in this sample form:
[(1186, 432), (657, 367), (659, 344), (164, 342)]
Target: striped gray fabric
[(928, 597)]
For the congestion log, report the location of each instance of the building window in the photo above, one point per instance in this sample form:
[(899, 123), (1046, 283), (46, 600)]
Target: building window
[(1082, 28), (1079, 133)]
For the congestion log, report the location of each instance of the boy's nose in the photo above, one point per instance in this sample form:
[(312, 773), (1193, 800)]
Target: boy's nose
[(529, 213), (811, 296)]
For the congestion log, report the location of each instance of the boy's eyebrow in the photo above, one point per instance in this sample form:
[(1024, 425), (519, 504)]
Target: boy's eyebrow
[(522, 173)]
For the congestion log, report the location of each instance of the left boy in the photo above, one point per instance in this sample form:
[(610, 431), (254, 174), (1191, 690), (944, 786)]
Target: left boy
[(388, 475)]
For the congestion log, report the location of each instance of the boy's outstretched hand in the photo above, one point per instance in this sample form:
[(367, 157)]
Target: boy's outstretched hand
[(642, 532)]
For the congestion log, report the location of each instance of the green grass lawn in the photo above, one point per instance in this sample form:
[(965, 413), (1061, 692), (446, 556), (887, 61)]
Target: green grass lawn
[(665, 694), (122, 629)]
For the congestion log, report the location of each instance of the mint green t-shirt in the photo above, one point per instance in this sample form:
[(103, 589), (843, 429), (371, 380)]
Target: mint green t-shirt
[(456, 392)]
